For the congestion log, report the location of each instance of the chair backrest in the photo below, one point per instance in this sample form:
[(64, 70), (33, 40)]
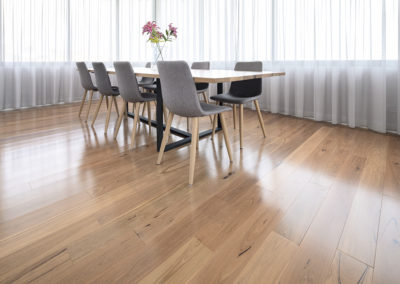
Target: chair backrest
[(102, 79), (205, 65), (127, 82), (147, 80), (178, 89), (86, 80), (247, 88)]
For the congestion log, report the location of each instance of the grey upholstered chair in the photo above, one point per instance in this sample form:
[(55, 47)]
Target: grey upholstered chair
[(242, 92), (105, 90), (148, 83), (201, 88), (87, 85), (180, 96), (129, 90)]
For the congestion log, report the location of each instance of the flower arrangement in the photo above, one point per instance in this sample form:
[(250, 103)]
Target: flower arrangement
[(158, 38)]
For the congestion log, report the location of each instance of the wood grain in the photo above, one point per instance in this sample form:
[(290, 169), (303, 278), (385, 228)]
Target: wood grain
[(310, 203)]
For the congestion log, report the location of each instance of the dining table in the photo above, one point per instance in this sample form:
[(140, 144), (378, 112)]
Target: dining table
[(199, 76)]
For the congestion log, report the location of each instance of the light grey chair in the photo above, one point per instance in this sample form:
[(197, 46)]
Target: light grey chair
[(242, 92), (106, 90), (148, 85), (130, 93), (201, 88), (87, 85), (180, 96)]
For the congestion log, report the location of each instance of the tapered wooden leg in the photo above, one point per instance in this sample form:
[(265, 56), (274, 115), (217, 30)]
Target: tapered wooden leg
[(149, 115), (205, 98), (214, 126), (260, 117), (116, 105), (144, 107), (107, 102), (97, 109), (165, 113), (234, 116), (90, 104), (126, 106), (226, 137), (241, 125), (83, 102), (193, 146), (135, 122), (119, 122), (108, 115), (187, 124), (165, 137)]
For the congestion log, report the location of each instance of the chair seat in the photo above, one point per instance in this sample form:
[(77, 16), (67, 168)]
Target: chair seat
[(115, 91), (147, 97), (230, 99), (209, 109), (151, 87)]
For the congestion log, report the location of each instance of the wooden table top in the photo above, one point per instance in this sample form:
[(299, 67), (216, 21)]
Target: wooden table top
[(207, 76)]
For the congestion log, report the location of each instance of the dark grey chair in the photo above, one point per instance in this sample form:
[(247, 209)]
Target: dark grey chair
[(242, 92), (130, 93), (87, 85), (180, 96), (148, 83), (202, 87), (105, 90)]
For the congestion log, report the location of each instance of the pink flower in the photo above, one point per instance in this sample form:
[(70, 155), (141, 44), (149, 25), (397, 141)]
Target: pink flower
[(149, 27), (173, 30)]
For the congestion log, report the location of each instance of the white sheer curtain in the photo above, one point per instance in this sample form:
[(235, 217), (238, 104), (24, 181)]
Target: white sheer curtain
[(341, 57), (41, 39)]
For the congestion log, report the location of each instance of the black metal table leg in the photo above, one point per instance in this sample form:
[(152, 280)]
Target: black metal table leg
[(220, 90), (159, 115)]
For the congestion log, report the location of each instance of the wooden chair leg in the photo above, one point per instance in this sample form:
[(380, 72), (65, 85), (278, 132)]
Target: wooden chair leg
[(260, 117), (234, 116), (165, 113), (90, 104), (107, 102), (241, 125), (165, 137), (108, 115), (144, 107), (226, 137), (126, 106), (205, 98), (116, 105), (187, 124), (135, 122), (82, 103), (193, 147), (149, 115), (119, 122), (97, 109), (214, 126)]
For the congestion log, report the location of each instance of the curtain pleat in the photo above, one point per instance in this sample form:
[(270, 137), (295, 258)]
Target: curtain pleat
[(341, 57)]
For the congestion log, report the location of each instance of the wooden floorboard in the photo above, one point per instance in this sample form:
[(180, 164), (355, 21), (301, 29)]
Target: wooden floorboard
[(310, 203)]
